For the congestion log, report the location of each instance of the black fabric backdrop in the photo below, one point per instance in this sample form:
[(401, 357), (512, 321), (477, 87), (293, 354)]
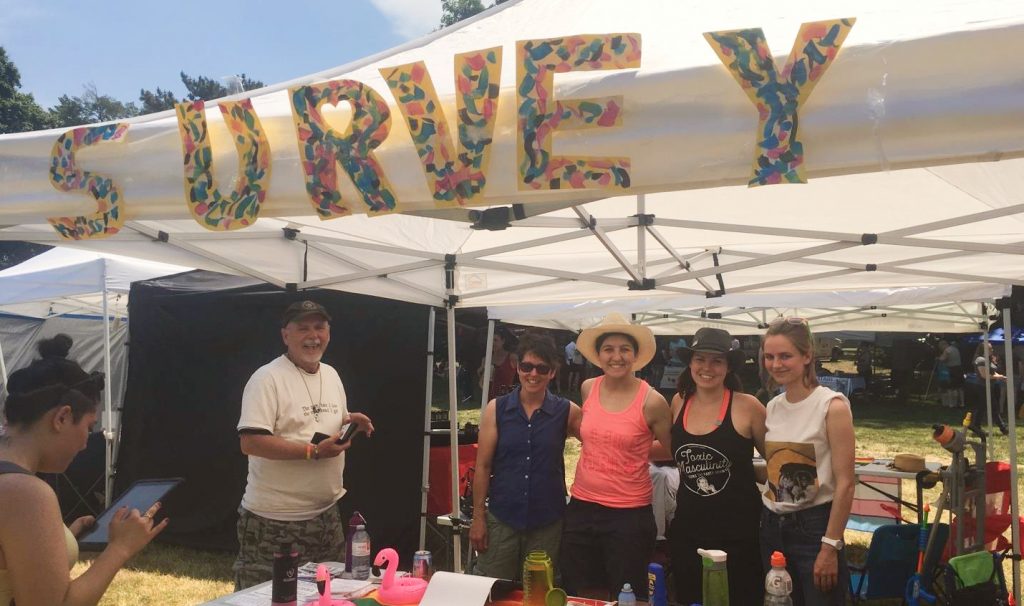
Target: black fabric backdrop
[(196, 338)]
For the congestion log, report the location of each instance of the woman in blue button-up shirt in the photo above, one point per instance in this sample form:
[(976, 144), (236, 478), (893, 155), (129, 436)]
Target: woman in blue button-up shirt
[(519, 483)]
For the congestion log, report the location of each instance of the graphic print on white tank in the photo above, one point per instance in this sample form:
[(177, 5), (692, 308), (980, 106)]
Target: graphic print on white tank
[(704, 470), (792, 472)]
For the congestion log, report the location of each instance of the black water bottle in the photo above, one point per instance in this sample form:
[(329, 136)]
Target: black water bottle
[(285, 582)]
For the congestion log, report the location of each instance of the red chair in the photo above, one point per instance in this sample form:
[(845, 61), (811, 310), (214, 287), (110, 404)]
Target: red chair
[(997, 510)]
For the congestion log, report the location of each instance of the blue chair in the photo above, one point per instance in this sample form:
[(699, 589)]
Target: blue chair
[(892, 560)]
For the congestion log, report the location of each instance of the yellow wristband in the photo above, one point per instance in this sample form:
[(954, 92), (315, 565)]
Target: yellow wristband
[(309, 451)]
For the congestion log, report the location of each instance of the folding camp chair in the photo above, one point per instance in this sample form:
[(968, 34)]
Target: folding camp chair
[(975, 579), (892, 560)]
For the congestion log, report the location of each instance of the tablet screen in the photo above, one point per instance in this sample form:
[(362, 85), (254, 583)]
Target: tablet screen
[(141, 495)]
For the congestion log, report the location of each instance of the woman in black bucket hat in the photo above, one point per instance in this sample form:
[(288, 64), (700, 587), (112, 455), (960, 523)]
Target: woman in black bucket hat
[(714, 432)]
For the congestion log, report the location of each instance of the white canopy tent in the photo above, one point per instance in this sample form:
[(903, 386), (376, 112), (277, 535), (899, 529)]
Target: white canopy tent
[(68, 282), (913, 142)]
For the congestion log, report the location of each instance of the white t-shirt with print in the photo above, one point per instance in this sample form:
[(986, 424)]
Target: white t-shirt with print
[(293, 404), (797, 452)]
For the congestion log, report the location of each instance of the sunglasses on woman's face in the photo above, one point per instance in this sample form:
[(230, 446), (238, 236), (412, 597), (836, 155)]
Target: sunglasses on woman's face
[(527, 367)]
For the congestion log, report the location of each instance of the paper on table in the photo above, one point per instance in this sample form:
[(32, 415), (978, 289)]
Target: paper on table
[(261, 596), (450, 589), (350, 588)]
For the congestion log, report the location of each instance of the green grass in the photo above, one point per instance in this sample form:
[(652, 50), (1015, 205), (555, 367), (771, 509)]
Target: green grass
[(173, 575)]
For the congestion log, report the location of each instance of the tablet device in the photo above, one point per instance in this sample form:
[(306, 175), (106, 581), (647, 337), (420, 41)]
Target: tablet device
[(141, 495)]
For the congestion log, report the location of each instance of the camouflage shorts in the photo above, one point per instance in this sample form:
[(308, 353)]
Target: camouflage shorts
[(321, 539)]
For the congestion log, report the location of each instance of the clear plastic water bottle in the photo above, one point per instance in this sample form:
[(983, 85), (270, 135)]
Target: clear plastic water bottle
[(361, 554), (778, 585), (626, 596)]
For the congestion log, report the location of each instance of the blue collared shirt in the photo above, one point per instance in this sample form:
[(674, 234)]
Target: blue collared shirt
[(527, 488)]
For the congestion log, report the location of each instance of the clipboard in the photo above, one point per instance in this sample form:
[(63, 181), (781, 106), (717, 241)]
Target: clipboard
[(141, 495)]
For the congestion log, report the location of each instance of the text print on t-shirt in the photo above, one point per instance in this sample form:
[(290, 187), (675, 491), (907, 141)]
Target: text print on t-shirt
[(329, 408), (608, 448), (703, 470)]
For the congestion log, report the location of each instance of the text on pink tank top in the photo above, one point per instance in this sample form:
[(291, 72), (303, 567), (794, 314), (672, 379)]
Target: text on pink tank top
[(612, 470)]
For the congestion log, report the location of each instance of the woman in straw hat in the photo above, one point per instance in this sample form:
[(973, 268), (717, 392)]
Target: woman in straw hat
[(49, 409), (715, 431), (609, 528), (809, 446)]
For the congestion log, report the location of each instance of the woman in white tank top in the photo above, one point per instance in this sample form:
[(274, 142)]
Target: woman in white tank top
[(809, 447)]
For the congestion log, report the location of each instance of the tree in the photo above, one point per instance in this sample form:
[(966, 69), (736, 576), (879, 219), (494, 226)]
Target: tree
[(19, 111), (199, 87), (156, 101), (453, 11), (89, 108), (205, 88), (13, 252)]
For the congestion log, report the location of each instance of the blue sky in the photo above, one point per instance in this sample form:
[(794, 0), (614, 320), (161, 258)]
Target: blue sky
[(121, 46)]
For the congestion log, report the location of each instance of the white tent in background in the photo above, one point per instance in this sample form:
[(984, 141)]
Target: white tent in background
[(75, 289)]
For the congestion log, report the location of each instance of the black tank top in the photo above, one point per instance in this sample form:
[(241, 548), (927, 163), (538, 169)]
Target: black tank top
[(717, 496)]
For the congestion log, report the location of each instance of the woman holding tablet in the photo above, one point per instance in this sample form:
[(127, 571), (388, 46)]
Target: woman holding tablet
[(50, 407)]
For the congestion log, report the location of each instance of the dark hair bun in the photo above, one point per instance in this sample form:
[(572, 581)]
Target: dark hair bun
[(58, 346)]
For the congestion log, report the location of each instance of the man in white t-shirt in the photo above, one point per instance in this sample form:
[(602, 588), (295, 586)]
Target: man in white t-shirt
[(294, 480)]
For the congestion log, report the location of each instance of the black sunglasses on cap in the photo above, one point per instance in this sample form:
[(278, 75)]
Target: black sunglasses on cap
[(526, 368)]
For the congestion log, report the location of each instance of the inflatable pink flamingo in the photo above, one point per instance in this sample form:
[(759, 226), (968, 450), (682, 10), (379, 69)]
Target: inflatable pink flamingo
[(400, 591)]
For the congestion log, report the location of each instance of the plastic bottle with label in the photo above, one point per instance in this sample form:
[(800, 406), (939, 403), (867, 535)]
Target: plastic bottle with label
[(715, 577), (285, 577), (626, 596), (361, 554), (778, 585)]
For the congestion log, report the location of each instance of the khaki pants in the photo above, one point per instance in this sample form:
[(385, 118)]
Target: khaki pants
[(508, 547)]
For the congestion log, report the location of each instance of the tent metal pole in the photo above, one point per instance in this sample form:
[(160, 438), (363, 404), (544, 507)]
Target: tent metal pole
[(485, 383), (1011, 421), (108, 423), (428, 401), (986, 352), (3, 368), (453, 428), (641, 237)]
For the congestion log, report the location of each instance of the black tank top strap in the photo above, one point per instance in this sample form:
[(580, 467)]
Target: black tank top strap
[(8, 467)]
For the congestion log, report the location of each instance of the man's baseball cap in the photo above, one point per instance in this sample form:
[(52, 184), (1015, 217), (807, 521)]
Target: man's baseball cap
[(300, 309)]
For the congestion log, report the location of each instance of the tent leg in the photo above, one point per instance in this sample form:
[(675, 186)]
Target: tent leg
[(108, 422), (1011, 421), (3, 369), (485, 383), (428, 401), (988, 399), (453, 428)]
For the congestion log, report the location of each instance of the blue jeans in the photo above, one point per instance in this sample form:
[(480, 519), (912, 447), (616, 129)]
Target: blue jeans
[(798, 536)]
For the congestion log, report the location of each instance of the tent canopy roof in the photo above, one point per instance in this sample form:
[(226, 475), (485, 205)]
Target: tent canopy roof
[(66, 280)]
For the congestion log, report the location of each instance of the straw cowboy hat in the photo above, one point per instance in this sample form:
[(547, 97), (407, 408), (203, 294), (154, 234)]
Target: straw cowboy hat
[(586, 344)]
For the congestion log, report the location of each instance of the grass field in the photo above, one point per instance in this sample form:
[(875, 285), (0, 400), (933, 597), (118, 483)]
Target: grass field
[(175, 576)]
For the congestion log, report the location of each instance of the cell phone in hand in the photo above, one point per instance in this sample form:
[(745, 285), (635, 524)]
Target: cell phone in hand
[(350, 431)]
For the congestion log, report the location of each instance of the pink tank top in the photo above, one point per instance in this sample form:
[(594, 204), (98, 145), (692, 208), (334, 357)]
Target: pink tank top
[(612, 470)]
